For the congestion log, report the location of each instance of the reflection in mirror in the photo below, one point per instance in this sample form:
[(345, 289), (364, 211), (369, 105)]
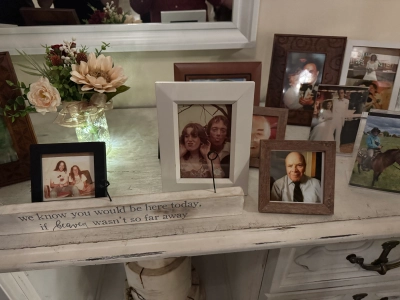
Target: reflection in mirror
[(116, 11), (7, 151)]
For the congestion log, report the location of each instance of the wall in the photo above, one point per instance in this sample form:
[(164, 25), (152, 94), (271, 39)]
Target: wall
[(356, 19)]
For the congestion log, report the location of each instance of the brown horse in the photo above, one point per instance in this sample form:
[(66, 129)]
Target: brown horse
[(382, 161)]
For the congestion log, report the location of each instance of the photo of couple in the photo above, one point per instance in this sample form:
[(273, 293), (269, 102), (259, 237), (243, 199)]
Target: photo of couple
[(302, 77), (204, 140), (68, 176), (337, 113)]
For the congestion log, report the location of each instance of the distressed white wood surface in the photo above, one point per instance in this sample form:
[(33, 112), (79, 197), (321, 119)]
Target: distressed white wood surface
[(124, 210), (133, 168)]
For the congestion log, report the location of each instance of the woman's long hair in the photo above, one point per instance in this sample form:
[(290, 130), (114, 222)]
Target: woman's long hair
[(72, 175), (198, 131), (325, 104), (58, 165)]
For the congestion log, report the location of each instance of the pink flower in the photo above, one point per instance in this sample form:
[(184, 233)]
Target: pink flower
[(44, 96)]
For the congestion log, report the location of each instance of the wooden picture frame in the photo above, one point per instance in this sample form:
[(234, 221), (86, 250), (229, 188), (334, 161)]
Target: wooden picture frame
[(250, 71), (49, 16), (46, 158), (324, 162), (281, 114), (307, 47), (236, 97), (387, 75), (20, 131)]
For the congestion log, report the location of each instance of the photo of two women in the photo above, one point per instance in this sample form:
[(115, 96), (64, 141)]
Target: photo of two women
[(204, 140), (68, 176)]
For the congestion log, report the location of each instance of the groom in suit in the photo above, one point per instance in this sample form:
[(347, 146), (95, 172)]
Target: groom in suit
[(339, 112)]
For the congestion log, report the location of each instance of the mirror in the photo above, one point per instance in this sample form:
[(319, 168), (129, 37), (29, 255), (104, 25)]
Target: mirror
[(239, 33)]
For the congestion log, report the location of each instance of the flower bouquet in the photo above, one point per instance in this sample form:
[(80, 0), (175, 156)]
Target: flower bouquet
[(110, 15), (83, 82)]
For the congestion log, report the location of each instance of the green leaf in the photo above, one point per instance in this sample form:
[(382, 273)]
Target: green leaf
[(15, 105), (121, 89), (12, 119), (20, 100), (23, 113), (23, 85), (10, 83), (66, 86), (8, 107)]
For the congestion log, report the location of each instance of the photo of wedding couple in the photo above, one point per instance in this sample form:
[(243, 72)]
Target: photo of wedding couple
[(68, 176), (204, 140), (337, 113)]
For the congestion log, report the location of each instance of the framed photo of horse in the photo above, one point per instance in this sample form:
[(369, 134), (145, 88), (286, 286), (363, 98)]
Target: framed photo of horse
[(375, 165)]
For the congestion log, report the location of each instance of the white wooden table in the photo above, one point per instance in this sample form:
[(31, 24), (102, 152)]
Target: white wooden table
[(133, 168)]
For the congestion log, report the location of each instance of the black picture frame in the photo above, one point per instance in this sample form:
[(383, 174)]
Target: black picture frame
[(100, 169)]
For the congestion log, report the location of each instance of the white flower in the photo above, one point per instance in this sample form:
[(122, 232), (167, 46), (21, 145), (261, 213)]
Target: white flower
[(98, 74), (44, 96)]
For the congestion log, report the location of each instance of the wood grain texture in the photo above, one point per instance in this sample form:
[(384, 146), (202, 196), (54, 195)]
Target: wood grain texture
[(328, 183), (21, 130), (251, 71), (282, 114), (333, 47)]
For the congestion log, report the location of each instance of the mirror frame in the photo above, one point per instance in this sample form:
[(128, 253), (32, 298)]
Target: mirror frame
[(240, 33)]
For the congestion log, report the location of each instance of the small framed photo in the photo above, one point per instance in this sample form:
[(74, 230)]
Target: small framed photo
[(337, 115), (375, 165), (204, 129), (297, 177), (221, 71), (299, 63), (375, 66), (15, 137), (268, 124), (68, 171)]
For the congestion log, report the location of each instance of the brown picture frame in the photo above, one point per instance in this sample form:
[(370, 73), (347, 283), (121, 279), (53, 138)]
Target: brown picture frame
[(21, 130), (332, 46), (282, 114), (328, 175), (49, 16), (251, 71)]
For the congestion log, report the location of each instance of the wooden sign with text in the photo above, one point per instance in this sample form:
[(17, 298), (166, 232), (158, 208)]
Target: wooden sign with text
[(124, 210)]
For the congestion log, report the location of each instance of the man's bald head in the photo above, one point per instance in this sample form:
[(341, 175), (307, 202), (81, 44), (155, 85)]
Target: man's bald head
[(295, 165)]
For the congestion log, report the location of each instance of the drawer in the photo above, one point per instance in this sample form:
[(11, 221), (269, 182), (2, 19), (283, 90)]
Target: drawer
[(383, 291), (321, 267)]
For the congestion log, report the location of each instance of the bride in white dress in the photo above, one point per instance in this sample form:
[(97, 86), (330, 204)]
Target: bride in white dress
[(323, 130)]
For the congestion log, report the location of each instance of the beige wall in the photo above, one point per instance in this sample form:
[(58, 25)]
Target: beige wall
[(357, 19)]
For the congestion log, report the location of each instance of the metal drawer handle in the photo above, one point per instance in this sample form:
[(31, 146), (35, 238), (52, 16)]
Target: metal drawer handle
[(379, 265), (359, 296)]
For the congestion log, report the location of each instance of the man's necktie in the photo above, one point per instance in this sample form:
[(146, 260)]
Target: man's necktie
[(297, 193)]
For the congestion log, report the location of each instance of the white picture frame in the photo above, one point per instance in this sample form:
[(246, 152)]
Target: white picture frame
[(238, 34), (171, 94), (362, 43)]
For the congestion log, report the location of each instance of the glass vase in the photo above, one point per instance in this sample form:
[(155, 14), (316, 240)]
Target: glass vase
[(95, 127)]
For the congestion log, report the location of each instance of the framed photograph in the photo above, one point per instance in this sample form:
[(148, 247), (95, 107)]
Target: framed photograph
[(299, 63), (375, 165), (68, 171), (221, 71), (15, 137), (268, 124), (337, 115), (375, 66), (49, 16), (297, 177), (204, 128)]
